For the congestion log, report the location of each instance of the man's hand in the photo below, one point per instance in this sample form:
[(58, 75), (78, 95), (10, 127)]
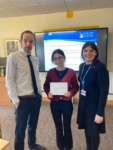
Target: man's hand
[(16, 105)]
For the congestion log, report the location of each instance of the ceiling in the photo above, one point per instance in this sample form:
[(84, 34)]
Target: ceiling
[(14, 8)]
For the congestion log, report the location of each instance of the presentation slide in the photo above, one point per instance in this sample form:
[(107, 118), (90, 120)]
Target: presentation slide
[(70, 42)]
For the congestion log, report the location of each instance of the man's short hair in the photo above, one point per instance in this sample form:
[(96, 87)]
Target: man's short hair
[(27, 32)]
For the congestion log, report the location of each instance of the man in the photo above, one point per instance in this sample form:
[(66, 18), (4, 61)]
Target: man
[(21, 66)]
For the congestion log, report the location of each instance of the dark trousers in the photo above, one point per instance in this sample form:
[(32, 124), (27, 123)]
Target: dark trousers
[(62, 114), (27, 113), (92, 143)]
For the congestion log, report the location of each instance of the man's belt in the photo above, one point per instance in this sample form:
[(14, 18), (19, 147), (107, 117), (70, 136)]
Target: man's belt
[(28, 96)]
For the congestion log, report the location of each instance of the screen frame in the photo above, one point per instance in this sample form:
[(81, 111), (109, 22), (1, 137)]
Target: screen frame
[(99, 40)]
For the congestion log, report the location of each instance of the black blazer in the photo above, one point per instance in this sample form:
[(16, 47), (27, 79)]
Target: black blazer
[(96, 87)]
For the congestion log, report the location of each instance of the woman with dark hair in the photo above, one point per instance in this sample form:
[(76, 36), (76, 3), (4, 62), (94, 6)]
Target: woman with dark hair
[(61, 105), (94, 86)]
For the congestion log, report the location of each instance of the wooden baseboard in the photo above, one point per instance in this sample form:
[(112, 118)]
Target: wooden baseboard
[(109, 102), (45, 99), (76, 100)]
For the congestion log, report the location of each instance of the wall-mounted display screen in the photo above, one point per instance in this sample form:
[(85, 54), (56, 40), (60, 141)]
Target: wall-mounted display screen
[(71, 43)]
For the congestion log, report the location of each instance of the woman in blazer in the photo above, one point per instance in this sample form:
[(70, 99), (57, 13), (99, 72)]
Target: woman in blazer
[(94, 85)]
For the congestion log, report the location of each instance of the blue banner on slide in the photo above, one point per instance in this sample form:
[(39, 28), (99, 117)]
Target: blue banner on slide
[(76, 35)]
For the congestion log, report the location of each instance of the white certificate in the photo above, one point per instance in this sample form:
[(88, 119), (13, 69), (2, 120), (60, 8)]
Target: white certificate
[(58, 88)]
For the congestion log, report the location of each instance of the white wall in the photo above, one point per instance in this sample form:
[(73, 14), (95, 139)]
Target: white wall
[(12, 27)]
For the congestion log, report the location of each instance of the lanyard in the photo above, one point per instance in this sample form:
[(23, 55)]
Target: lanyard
[(82, 80)]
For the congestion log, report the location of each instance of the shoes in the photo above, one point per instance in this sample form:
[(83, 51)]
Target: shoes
[(37, 147)]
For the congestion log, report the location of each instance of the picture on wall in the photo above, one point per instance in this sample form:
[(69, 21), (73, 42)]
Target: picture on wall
[(11, 45)]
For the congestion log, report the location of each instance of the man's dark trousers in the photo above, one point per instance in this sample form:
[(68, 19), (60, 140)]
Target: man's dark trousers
[(26, 115)]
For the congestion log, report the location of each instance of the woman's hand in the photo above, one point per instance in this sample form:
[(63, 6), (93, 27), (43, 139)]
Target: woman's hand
[(50, 95), (67, 94), (98, 119)]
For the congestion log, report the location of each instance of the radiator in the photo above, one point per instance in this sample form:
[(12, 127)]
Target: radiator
[(111, 83)]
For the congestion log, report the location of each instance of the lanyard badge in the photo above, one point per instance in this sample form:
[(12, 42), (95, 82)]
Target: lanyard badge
[(83, 92)]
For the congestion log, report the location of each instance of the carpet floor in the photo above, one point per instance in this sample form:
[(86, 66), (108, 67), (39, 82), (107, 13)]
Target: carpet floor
[(46, 129)]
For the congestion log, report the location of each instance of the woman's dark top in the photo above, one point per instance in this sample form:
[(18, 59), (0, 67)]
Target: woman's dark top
[(96, 87), (61, 74)]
